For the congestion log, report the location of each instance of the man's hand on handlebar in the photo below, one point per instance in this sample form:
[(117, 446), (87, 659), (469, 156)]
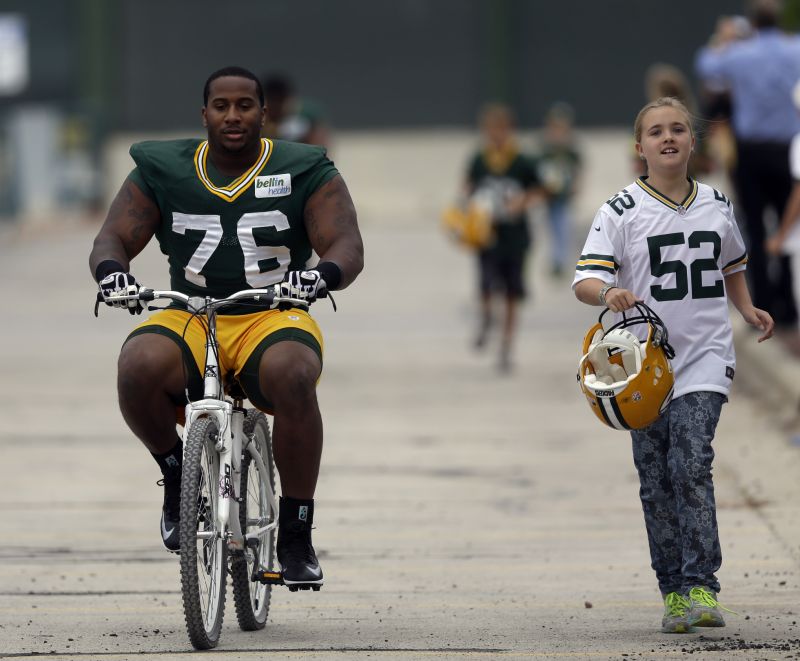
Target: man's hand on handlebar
[(305, 286), (120, 284)]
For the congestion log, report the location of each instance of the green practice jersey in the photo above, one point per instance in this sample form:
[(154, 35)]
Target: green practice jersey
[(510, 175), (223, 234)]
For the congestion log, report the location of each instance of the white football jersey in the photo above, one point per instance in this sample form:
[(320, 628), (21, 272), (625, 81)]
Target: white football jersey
[(674, 256)]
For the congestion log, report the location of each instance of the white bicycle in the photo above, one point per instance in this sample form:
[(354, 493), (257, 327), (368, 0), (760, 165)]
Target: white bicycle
[(229, 511)]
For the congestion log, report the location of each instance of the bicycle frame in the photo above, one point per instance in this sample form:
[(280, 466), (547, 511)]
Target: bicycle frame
[(229, 416)]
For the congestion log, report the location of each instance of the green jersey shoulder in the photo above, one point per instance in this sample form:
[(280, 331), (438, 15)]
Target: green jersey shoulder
[(222, 234)]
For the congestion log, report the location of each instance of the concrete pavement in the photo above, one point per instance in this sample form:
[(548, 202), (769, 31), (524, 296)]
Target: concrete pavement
[(461, 514)]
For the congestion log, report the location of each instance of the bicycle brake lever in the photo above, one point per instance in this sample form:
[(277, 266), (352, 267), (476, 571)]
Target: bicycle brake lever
[(333, 303), (97, 302)]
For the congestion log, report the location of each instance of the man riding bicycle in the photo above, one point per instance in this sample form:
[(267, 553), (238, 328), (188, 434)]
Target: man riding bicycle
[(232, 212)]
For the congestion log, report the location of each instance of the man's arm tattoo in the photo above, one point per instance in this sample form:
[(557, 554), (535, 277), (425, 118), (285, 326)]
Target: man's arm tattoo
[(314, 231)]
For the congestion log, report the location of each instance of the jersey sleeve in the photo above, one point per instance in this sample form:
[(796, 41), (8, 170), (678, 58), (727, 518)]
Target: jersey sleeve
[(320, 172), (137, 178), (146, 157), (733, 254), (602, 252), (139, 154)]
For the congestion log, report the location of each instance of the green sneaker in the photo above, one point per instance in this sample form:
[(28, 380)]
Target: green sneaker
[(676, 614), (704, 608)]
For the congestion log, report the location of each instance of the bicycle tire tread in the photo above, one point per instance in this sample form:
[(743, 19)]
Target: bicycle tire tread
[(193, 611), (240, 574)]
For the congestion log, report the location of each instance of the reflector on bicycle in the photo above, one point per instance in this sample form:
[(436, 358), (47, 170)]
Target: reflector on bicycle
[(268, 577)]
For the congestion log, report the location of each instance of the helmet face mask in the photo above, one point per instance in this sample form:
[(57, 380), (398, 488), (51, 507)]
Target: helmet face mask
[(628, 382)]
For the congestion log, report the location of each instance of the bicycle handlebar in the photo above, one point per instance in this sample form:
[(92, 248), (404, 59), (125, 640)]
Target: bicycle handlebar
[(203, 304), (197, 303)]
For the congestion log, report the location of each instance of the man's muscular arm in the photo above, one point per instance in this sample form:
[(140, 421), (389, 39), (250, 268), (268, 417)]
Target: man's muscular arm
[(131, 222), (330, 220)]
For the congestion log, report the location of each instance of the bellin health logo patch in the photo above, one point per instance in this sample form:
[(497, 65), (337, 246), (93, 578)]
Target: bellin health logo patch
[(274, 185)]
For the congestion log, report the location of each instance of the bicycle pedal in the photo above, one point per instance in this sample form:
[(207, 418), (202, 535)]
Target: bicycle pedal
[(304, 586), (267, 576)]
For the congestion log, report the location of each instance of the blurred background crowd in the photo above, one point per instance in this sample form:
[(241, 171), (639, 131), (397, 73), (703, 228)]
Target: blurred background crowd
[(399, 93)]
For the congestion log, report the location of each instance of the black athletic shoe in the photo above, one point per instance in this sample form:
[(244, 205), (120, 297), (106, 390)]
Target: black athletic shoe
[(299, 565), (171, 512)]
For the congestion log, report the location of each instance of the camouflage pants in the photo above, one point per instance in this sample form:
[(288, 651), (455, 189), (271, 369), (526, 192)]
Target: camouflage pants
[(673, 457)]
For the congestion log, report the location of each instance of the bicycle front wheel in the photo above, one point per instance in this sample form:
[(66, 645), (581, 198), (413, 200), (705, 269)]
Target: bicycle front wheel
[(252, 598), (203, 548)]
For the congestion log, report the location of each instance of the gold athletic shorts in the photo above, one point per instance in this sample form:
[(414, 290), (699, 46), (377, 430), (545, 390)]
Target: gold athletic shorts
[(242, 339)]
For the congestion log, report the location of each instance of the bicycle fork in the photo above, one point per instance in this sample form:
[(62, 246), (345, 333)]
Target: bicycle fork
[(226, 458), (228, 467)]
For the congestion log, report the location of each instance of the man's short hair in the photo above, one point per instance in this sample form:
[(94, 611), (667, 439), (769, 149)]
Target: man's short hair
[(764, 13), (238, 72)]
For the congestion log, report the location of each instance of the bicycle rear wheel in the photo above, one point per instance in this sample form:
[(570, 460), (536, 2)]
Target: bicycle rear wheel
[(252, 598), (203, 549)]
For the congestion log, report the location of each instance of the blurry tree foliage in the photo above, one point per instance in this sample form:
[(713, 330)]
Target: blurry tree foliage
[(790, 20)]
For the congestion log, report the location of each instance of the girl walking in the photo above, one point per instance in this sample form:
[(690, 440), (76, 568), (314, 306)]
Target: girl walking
[(673, 243)]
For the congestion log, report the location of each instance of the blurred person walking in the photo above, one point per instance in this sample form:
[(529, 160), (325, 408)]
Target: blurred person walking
[(291, 117), (760, 73), (558, 163), (786, 239), (673, 243), (715, 101), (506, 182)]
